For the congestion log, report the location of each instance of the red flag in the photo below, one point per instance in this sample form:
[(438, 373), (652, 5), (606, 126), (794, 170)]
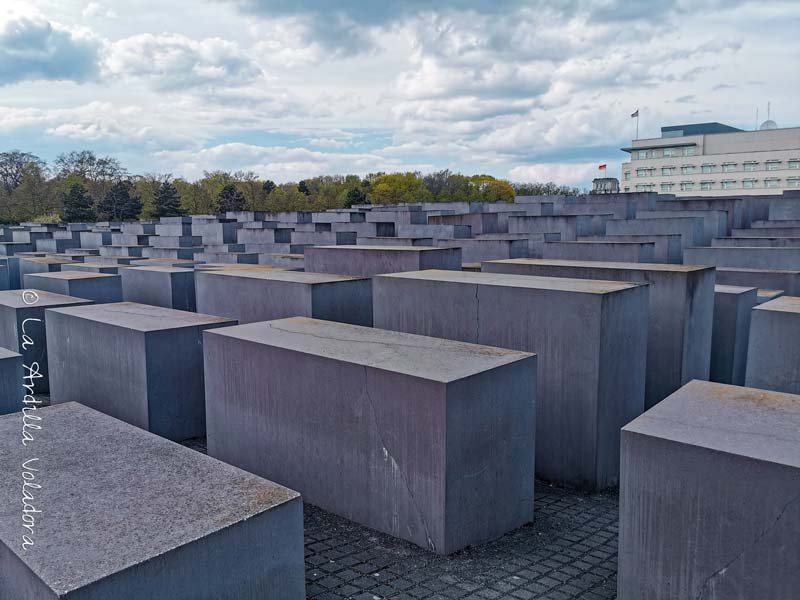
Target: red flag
[(602, 168)]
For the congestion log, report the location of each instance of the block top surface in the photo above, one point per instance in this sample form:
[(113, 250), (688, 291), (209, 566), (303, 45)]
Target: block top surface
[(6, 353), (747, 270), (561, 284), (759, 424), (158, 269), (602, 264), (287, 276), (790, 304), (131, 495), (47, 260), (72, 275), (415, 355), (384, 248), (14, 299), (142, 317), (731, 289)]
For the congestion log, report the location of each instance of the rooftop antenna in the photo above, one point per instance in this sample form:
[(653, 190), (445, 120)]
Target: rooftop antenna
[(756, 127), (768, 110)]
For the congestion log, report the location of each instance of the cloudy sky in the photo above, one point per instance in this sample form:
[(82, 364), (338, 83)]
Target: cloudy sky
[(531, 91)]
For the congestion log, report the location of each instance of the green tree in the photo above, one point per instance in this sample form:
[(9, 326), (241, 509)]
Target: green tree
[(268, 186), (167, 202), (355, 196), (78, 205), (398, 188), (119, 203), (230, 199)]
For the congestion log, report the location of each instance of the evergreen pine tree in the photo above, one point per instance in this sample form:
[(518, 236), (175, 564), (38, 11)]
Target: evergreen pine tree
[(167, 201), (230, 199), (78, 205), (119, 204)]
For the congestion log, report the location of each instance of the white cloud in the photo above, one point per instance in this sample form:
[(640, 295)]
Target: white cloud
[(176, 62), (561, 173)]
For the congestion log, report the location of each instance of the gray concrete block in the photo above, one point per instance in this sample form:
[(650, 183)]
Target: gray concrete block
[(11, 381), (139, 363), (681, 313), (770, 279), (604, 251), (169, 287), (709, 504), (590, 337), (768, 242), (480, 249), (9, 273), (729, 340), (689, 228), (128, 515), (668, 248), (97, 287), (259, 295), (92, 267), (22, 313), (40, 264), (425, 439), (763, 295), (767, 232), (753, 258), (371, 260), (773, 356)]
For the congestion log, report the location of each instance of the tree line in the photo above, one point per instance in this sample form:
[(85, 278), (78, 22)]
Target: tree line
[(80, 186)]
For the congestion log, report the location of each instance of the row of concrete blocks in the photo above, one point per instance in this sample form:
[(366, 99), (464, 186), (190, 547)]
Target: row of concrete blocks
[(709, 505)]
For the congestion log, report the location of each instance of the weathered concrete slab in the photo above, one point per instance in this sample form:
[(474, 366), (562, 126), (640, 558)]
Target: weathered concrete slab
[(425, 439), (709, 504), (139, 363), (11, 374), (681, 313), (591, 367), (753, 258), (767, 295), (371, 260), (22, 313), (93, 267), (729, 340), (667, 248), (773, 356), (689, 228), (771, 279), (604, 251), (42, 264), (97, 287), (754, 242), (127, 515), (258, 295), (9, 273), (169, 287)]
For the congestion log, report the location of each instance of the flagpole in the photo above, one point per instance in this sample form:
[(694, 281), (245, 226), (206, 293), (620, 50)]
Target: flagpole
[(637, 124)]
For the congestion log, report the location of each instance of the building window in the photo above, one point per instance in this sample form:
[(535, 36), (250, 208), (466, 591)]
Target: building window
[(771, 182), (689, 151), (794, 163), (667, 187), (728, 184), (666, 171), (751, 166), (626, 175), (626, 189), (645, 187), (641, 172), (706, 185), (687, 186), (773, 165), (728, 167), (669, 152), (749, 183), (687, 169), (707, 168), (793, 182), (644, 154)]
